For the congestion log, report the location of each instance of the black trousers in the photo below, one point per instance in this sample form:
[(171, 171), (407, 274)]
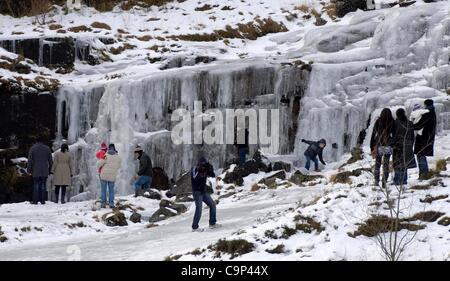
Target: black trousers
[(63, 193)]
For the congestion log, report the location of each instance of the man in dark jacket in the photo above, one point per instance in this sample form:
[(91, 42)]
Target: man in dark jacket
[(424, 145), (39, 164), (314, 149), (145, 171), (199, 175)]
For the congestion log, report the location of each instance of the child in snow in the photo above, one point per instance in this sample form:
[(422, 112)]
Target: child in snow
[(314, 149), (101, 154), (416, 115)]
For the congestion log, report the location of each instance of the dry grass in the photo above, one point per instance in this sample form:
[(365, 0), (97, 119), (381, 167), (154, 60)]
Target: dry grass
[(255, 187), (303, 8), (441, 165), (54, 26), (236, 247), (80, 28), (100, 25), (120, 49)]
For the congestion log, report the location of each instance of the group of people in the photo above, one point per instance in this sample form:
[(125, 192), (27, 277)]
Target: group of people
[(403, 138), (400, 138), (41, 164)]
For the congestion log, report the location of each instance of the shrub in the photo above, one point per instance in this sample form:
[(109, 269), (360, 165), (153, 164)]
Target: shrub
[(236, 247), (80, 28), (441, 165), (280, 249)]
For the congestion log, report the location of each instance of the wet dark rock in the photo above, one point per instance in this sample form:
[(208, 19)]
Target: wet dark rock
[(149, 193), (271, 180), (299, 179), (160, 179), (279, 165), (344, 7), (116, 218), (166, 210), (135, 218)]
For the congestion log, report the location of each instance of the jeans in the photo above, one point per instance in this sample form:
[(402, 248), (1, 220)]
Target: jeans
[(199, 198), (39, 189), (242, 155), (423, 164), (63, 193), (110, 186), (308, 162), (143, 182), (401, 177)]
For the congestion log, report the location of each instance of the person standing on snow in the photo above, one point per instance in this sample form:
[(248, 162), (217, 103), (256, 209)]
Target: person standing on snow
[(199, 175), (403, 148), (145, 171), (424, 145), (62, 172), (40, 162), (381, 144), (109, 166), (314, 149), (243, 148)]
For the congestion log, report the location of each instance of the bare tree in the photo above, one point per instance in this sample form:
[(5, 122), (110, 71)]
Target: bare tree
[(40, 9)]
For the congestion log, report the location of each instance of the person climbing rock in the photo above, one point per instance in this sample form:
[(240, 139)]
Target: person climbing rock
[(40, 162), (424, 145), (62, 171), (110, 167), (381, 144), (145, 171), (403, 148), (199, 175), (314, 149), (243, 148)]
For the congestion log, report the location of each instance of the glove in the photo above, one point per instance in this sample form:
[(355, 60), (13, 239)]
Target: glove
[(303, 140), (71, 176)]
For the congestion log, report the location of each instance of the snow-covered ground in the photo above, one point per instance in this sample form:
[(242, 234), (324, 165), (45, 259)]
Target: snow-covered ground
[(259, 217)]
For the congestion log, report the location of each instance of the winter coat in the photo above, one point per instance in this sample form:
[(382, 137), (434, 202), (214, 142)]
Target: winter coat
[(40, 160), (62, 168), (145, 166), (424, 145), (416, 116), (198, 177), (381, 136), (403, 145), (314, 149), (110, 167)]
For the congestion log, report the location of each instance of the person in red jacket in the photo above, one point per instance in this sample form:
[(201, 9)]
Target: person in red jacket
[(101, 154)]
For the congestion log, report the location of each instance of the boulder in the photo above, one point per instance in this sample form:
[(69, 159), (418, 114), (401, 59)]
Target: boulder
[(299, 179), (270, 181), (279, 165), (149, 193), (344, 7), (162, 214), (115, 218), (160, 179), (183, 186), (135, 217), (166, 210), (253, 166)]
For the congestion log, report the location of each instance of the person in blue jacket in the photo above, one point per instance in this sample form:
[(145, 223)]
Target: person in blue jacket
[(314, 149), (199, 175)]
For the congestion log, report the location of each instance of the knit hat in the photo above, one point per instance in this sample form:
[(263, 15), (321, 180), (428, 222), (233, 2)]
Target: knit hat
[(103, 146), (138, 149), (417, 106), (429, 102)]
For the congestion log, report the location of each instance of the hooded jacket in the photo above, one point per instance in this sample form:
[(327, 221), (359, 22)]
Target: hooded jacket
[(110, 166), (199, 175), (314, 149)]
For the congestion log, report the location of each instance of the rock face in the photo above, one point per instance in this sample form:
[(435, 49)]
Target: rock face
[(166, 210), (116, 218)]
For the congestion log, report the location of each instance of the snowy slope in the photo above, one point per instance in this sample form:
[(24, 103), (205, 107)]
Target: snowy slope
[(245, 215)]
